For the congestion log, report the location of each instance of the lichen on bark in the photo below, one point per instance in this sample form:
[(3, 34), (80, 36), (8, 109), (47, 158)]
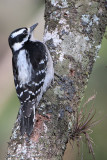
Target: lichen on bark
[(73, 34)]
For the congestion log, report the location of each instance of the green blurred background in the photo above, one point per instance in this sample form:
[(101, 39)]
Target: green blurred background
[(14, 14)]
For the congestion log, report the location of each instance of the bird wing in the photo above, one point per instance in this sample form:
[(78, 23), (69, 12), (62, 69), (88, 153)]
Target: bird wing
[(28, 92)]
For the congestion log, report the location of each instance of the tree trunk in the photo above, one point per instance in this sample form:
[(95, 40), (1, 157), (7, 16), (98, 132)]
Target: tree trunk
[(73, 33)]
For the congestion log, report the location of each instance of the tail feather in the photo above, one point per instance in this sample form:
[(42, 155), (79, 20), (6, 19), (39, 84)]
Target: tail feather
[(30, 124), (27, 123), (22, 125)]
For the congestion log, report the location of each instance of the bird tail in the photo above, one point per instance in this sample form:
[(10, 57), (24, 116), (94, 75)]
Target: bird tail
[(27, 120)]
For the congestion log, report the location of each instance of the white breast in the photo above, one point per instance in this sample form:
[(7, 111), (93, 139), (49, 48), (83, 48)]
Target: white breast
[(24, 68)]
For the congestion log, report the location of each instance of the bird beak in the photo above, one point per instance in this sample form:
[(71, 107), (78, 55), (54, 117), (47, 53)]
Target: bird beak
[(33, 27)]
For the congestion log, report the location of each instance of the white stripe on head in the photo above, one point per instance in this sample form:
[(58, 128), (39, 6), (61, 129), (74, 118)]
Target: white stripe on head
[(19, 45), (17, 33)]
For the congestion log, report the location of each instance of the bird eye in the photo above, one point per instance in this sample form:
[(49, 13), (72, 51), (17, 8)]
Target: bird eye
[(24, 32)]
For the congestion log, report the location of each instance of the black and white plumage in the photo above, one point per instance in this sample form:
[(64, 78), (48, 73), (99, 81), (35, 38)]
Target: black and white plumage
[(33, 72)]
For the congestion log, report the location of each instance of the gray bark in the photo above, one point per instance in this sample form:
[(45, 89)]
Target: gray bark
[(73, 33)]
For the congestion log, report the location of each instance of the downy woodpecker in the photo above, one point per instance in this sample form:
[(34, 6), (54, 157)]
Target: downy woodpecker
[(33, 72)]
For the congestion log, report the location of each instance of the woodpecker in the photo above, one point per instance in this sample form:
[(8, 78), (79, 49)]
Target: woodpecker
[(33, 73)]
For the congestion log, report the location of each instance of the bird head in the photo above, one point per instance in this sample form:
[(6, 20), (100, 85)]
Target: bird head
[(20, 36)]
